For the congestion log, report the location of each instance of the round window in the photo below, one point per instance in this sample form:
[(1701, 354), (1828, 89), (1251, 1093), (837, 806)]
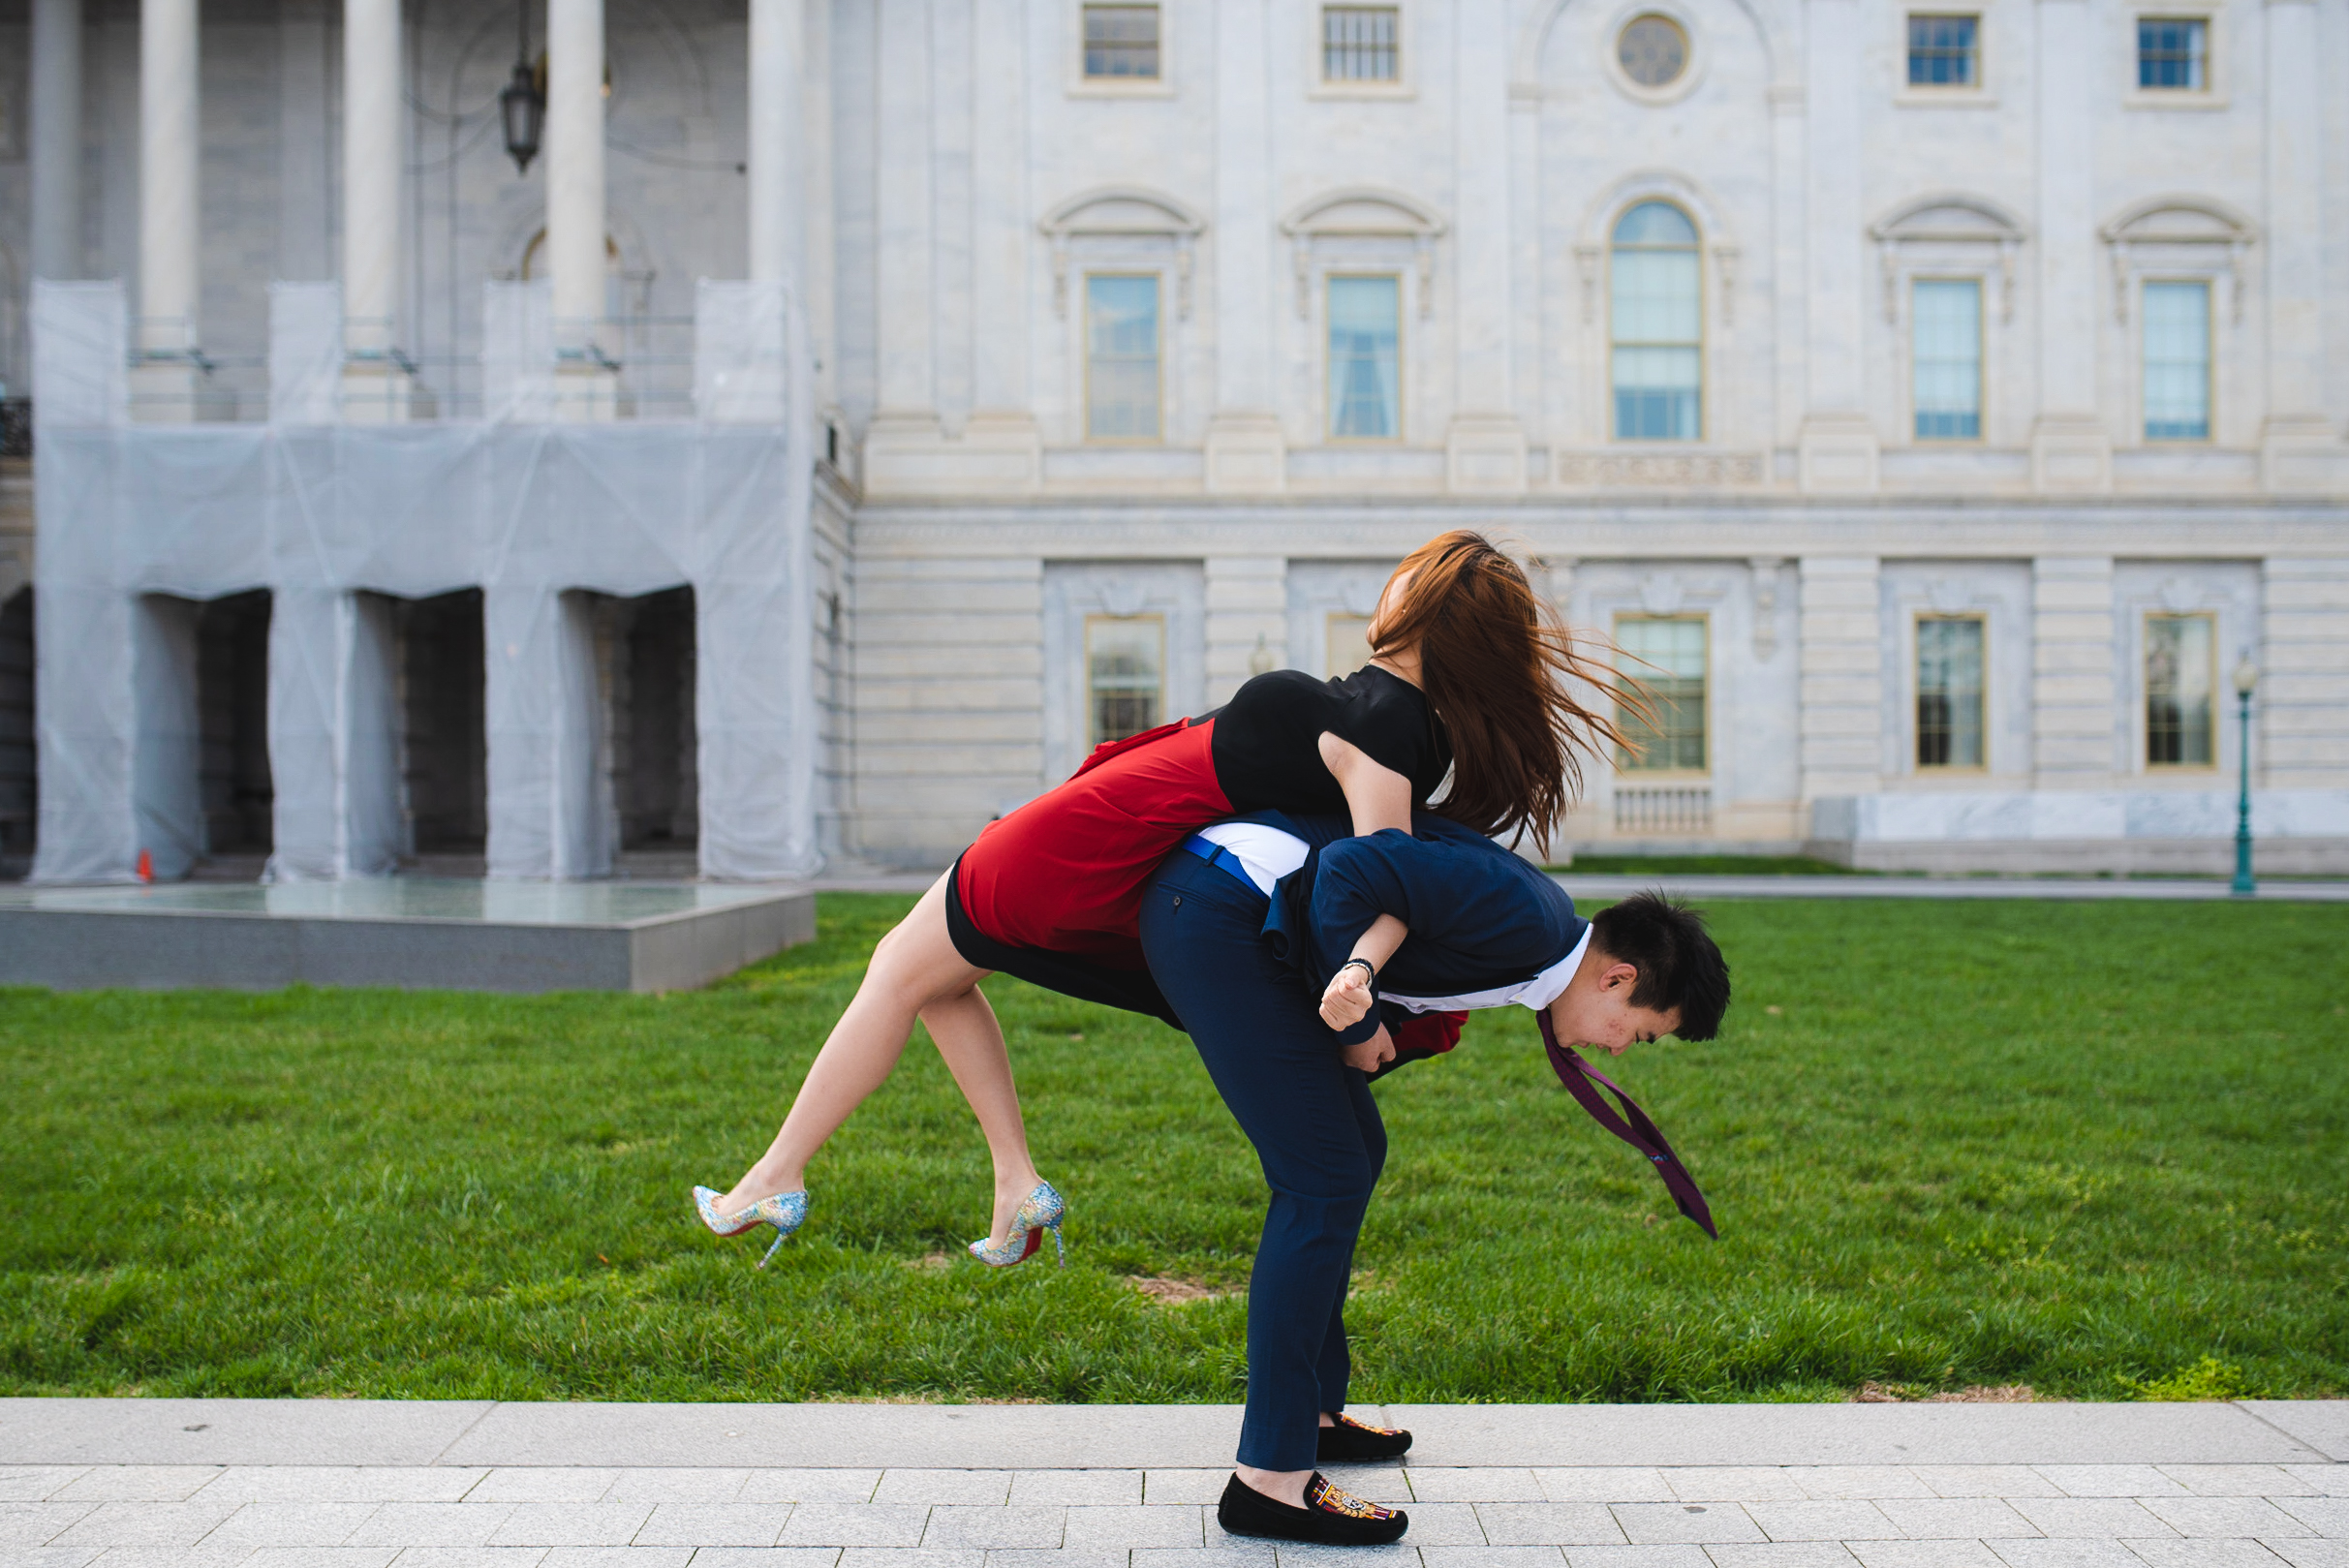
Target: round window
[(1653, 50)]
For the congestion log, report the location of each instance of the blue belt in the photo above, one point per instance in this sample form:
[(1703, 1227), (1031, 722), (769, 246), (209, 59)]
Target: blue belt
[(1222, 859)]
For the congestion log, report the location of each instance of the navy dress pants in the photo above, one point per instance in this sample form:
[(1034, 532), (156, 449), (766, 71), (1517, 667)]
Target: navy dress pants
[(1315, 1128)]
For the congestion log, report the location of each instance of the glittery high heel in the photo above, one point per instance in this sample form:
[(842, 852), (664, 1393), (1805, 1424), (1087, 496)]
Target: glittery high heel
[(784, 1211), (1039, 1211)]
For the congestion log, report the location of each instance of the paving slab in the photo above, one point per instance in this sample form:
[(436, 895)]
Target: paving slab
[(2321, 1424), (1808, 1435), (234, 1431)]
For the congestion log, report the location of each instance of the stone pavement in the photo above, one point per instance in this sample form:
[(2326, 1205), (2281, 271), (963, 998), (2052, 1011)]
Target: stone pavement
[(360, 1484)]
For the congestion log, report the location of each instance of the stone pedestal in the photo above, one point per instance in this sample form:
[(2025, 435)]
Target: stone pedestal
[(1838, 455), (1485, 454), (2071, 454), (1245, 455), (2303, 455)]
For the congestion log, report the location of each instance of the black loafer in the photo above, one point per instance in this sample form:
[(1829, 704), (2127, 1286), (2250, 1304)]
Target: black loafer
[(1329, 1518), (1350, 1442)]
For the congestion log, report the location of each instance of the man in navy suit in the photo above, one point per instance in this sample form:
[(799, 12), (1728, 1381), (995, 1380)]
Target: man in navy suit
[(1246, 930)]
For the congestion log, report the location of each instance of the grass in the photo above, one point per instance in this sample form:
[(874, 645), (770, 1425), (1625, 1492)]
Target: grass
[(2101, 1149)]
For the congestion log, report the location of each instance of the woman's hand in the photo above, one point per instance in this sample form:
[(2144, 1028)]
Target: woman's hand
[(1347, 997), (1369, 1056)]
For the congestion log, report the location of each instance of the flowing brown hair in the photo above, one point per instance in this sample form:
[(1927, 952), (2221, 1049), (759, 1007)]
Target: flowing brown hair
[(1500, 669)]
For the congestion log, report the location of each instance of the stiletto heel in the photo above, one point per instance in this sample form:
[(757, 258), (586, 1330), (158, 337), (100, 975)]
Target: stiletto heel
[(784, 1211), (1040, 1211)]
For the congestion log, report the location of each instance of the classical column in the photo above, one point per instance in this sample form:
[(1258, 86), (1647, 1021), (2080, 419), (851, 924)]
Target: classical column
[(1003, 417), (2071, 449), (170, 204), (1485, 449), (1245, 450), (2299, 447), (374, 387), (56, 137), (778, 132), (1839, 441), (575, 205), (1842, 677), (902, 441)]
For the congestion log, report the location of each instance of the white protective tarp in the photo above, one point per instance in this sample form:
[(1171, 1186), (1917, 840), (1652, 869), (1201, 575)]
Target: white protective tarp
[(327, 516)]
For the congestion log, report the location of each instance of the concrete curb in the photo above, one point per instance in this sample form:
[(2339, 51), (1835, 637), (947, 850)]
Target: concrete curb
[(1024, 1436)]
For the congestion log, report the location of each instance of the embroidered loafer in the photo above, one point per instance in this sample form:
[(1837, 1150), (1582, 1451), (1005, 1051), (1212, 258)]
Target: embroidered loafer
[(1330, 1516), (1353, 1441)]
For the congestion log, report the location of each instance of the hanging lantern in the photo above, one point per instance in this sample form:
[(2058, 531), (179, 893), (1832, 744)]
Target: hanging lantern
[(523, 107)]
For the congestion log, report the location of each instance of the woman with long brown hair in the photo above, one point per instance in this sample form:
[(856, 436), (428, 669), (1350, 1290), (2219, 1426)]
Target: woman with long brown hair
[(1472, 676)]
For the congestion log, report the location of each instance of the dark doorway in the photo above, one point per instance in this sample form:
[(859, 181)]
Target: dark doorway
[(647, 648), (233, 784), (444, 749), (20, 773)]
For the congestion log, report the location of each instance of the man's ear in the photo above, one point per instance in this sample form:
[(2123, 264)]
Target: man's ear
[(1618, 975)]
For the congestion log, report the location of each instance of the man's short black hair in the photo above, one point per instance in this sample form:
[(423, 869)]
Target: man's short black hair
[(1678, 964)]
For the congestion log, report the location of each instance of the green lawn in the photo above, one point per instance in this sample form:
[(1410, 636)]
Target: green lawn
[(2099, 1149)]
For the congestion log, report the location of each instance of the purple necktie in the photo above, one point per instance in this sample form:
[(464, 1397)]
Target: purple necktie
[(1584, 1081)]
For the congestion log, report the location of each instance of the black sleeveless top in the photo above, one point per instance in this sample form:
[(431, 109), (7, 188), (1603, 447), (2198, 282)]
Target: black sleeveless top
[(1267, 743)]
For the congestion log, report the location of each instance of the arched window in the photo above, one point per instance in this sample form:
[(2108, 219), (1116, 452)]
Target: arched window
[(1656, 322)]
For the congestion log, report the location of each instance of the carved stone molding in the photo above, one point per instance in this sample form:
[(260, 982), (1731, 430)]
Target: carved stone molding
[(1123, 212), (1680, 470), (1362, 213)]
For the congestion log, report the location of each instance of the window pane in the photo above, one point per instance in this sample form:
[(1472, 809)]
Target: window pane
[(1654, 222), (2178, 682), (1949, 691), (1947, 322), (1667, 658), (1120, 40), (1941, 52), (1348, 643), (1365, 391), (1122, 377), (1358, 43), (1124, 665), (2177, 361), (1656, 319), (2173, 51)]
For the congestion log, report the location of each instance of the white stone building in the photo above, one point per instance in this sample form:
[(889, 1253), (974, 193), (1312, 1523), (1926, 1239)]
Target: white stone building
[(1937, 397)]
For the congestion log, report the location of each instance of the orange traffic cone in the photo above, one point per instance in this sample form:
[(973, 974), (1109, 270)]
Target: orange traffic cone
[(146, 866)]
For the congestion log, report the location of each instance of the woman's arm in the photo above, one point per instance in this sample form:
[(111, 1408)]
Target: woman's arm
[(1377, 797), (1348, 995)]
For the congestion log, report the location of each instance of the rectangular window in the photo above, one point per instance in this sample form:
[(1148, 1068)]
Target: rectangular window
[(2174, 54), (1121, 42), (1657, 364), (1946, 320), (1944, 51), (1358, 43), (1949, 691), (1125, 674), (1348, 642), (2177, 361), (1365, 358), (1667, 657), (1122, 358), (2180, 673)]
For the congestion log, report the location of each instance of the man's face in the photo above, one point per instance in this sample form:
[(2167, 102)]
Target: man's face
[(1595, 1012)]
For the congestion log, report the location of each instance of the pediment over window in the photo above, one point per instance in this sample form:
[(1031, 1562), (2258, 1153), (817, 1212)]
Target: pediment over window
[(1950, 220), (2179, 231), (2178, 221), (1948, 229), (1123, 212), (1365, 215)]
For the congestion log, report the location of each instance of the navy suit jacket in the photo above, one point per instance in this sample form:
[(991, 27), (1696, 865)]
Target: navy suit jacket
[(1480, 916)]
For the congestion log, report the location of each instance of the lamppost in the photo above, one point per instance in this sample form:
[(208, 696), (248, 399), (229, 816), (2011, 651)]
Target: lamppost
[(2246, 678)]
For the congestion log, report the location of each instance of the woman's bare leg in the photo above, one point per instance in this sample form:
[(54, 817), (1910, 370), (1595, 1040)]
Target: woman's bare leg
[(916, 972)]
